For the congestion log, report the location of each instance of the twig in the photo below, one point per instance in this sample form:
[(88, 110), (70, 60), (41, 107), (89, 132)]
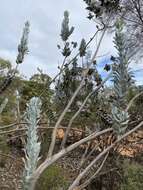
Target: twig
[(85, 153), (90, 153), (94, 175), (8, 156), (133, 99), (8, 126)]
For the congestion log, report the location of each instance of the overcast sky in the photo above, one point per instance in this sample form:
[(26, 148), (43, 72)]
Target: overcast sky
[(45, 17)]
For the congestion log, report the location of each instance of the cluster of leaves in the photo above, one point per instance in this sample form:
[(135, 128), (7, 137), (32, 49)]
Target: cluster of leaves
[(5, 65), (22, 51), (23, 46), (97, 8), (122, 78), (130, 11), (66, 32), (32, 149), (82, 48), (70, 80)]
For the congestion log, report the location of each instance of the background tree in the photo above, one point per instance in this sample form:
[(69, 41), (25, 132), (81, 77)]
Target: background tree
[(130, 11)]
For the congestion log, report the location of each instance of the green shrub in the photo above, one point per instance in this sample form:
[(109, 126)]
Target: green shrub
[(4, 148), (52, 179), (133, 176)]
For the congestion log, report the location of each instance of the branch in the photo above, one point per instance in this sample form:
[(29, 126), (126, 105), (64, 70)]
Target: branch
[(132, 100), (81, 175), (57, 156), (94, 175), (90, 153), (8, 126), (39, 128), (85, 153)]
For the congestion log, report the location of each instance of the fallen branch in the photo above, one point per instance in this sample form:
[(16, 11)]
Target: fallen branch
[(39, 128)]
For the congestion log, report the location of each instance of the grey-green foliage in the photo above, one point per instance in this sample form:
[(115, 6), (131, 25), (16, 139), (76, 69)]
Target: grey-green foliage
[(122, 78), (3, 105), (66, 31), (23, 46), (22, 50), (32, 148), (120, 118), (82, 48)]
